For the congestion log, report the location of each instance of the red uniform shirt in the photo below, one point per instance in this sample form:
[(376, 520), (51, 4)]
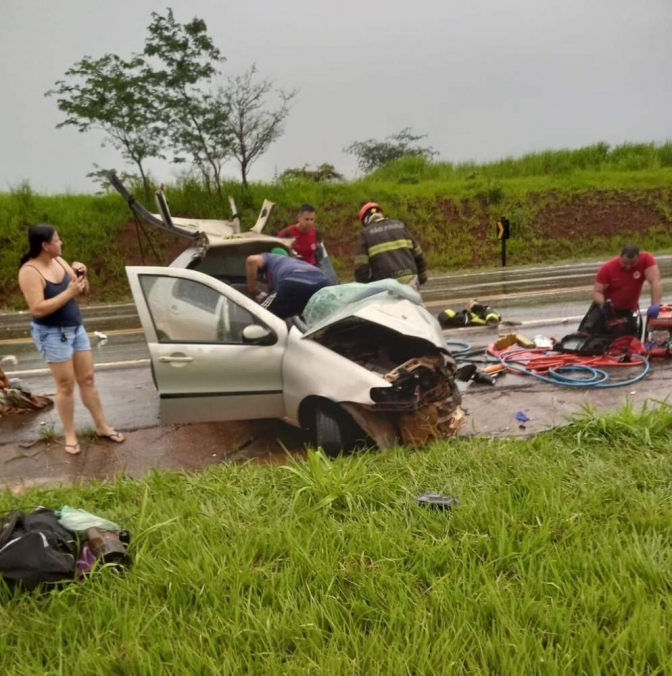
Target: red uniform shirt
[(624, 287), (305, 243)]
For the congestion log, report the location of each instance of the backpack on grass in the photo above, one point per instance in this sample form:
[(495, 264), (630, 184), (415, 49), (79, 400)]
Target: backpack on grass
[(35, 549)]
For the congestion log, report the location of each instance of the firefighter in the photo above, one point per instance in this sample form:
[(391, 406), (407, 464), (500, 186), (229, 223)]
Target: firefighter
[(387, 250)]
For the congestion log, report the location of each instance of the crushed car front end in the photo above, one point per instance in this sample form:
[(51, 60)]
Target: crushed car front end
[(415, 398)]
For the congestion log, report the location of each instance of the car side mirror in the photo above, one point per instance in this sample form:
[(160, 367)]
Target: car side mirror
[(258, 335)]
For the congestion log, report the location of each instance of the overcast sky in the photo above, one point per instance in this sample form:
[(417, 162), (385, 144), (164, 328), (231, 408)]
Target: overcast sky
[(483, 78)]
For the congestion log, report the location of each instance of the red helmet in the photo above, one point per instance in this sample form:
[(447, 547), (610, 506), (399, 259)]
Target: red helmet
[(368, 208)]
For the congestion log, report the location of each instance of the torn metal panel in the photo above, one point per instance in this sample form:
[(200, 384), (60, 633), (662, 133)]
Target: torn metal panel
[(430, 423), (142, 213), (211, 232), (426, 425), (381, 427), (430, 378), (428, 408)]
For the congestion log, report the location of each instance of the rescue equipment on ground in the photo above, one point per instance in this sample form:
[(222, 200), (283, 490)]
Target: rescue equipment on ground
[(473, 314), (658, 333)]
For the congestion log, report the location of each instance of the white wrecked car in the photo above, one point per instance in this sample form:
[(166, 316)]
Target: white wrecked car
[(361, 369), (378, 366)]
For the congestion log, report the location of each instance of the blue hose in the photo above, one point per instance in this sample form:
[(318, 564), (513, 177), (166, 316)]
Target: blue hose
[(462, 347), (596, 377), (590, 376), (462, 350)]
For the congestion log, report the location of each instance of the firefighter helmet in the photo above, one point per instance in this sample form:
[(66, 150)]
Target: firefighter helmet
[(369, 208)]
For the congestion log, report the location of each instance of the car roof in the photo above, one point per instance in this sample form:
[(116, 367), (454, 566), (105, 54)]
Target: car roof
[(208, 233)]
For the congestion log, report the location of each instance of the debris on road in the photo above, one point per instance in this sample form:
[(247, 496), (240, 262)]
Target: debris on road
[(543, 342), (102, 338), (511, 339), (437, 501), (14, 398)]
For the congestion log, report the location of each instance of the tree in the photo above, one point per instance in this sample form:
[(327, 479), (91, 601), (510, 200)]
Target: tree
[(322, 174), (252, 126), (184, 60), (113, 95), (164, 97), (372, 154), (207, 139)]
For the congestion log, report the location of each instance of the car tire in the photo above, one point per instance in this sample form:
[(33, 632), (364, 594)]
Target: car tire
[(335, 432)]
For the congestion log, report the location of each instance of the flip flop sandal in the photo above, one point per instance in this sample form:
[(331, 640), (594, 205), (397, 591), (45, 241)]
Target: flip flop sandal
[(76, 449), (115, 437)]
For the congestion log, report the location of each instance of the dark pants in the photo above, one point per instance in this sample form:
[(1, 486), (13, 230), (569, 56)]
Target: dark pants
[(293, 293), (600, 322)]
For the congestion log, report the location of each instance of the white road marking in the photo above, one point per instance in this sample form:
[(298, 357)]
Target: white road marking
[(102, 366)]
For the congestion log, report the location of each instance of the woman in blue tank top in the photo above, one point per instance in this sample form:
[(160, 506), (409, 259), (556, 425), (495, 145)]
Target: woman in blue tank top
[(51, 287)]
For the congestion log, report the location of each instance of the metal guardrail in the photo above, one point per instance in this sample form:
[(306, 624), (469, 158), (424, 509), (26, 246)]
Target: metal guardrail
[(484, 284)]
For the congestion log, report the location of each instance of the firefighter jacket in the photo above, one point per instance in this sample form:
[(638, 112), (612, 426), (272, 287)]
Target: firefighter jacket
[(387, 250)]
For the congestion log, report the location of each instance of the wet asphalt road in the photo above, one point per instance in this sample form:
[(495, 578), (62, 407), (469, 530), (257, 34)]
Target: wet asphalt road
[(131, 401)]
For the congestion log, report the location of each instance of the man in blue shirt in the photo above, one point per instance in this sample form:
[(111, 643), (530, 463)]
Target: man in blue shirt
[(291, 282)]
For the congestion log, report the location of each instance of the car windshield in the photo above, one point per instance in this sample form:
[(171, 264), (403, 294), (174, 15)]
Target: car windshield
[(332, 299)]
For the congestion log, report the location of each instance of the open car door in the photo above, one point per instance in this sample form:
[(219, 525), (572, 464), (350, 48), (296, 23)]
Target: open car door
[(216, 354)]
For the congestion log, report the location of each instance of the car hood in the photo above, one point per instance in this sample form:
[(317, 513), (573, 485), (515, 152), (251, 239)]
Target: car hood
[(401, 315)]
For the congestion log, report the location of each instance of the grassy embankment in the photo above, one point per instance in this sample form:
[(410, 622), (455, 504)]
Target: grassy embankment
[(563, 205), (556, 561)]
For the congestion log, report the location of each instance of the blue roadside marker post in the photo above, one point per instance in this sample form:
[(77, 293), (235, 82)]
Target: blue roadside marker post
[(503, 233)]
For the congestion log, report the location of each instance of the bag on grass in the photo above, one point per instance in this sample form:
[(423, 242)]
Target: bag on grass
[(35, 549)]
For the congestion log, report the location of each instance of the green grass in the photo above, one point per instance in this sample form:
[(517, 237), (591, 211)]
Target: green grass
[(599, 157), (556, 561)]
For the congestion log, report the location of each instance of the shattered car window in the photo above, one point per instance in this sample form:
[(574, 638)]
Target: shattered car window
[(185, 311), (331, 299)]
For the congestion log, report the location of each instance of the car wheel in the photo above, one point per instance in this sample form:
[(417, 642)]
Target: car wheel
[(335, 432)]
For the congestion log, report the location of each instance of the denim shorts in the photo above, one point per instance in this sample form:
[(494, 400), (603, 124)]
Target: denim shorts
[(50, 344)]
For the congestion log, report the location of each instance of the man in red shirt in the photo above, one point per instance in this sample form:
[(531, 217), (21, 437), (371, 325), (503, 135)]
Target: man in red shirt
[(621, 279), (618, 286), (306, 238)]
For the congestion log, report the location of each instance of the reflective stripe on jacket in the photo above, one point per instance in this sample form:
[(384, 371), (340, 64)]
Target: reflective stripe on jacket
[(387, 250)]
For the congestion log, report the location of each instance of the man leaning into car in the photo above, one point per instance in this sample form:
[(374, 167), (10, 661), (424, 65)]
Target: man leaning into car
[(291, 282)]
